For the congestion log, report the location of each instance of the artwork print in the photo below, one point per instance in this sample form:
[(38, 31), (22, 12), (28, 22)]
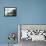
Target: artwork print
[(10, 11)]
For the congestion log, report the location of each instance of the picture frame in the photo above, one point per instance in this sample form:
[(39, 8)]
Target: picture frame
[(10, 11)]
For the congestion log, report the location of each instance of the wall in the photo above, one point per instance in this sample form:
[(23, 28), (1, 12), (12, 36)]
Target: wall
[(28, 12)]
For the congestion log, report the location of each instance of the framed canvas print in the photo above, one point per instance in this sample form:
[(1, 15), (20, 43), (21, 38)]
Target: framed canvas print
[(10, 11)]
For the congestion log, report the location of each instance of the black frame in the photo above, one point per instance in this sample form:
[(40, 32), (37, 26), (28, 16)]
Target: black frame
[(11, 15)]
